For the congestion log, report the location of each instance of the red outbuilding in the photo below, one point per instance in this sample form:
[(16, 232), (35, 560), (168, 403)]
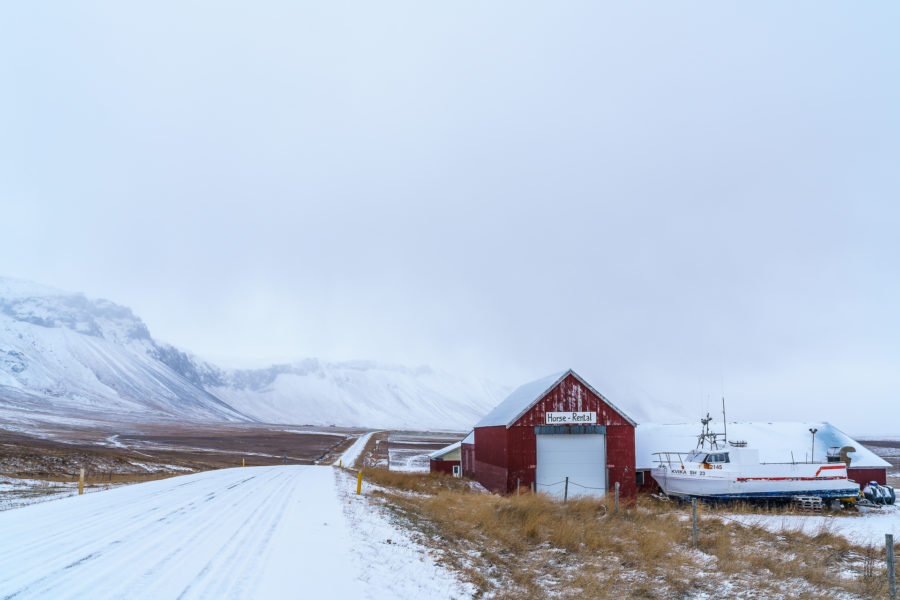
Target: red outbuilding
[(557, 435), (446, 460)]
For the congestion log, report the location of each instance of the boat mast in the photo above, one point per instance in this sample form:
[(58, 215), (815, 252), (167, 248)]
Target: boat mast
[(724, 421)]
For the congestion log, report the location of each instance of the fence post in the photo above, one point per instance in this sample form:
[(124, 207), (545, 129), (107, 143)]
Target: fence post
[(889, 558), (81, 482), (694, 519), (566, 492), (359, 482), (532, 487), (518, 484), (617, 496)]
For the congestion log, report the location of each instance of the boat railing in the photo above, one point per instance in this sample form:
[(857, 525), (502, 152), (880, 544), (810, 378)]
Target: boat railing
[(667, 458)]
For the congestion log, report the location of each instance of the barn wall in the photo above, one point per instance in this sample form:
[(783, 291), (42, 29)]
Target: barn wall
[(442, 466), (572, 395), (491, 458), (620, 458), (650, 486), (468, 460), (864, 476), (522, 457)]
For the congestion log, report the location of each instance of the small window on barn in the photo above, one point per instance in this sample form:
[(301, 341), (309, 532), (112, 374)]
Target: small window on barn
[(639, 477)]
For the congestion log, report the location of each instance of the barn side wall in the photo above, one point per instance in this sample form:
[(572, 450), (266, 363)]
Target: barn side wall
[(468, 460), (491, 458), (442, 466), (650, 486), (864, 476)]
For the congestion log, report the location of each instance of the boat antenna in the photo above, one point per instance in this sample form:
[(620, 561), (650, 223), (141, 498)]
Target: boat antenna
[(724, 421)]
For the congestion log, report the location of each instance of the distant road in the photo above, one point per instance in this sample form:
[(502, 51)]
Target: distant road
[(349, 457), (260, 532)]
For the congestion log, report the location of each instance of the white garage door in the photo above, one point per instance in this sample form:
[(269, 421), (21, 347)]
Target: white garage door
[(580, 457)]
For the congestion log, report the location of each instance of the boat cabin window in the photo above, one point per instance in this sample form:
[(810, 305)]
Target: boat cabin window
[(696, 456), (721, 457)]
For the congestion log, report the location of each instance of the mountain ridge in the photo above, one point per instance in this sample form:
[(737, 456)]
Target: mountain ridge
[(65, 353)]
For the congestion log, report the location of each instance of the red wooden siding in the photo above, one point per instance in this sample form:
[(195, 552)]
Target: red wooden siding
[(443, 466), (864, 476), (507, 456), (468, 460), (650, 486), (490, 458)]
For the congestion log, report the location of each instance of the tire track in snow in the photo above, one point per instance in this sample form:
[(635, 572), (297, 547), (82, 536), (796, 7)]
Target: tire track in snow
[(213, 538), (195, 533), (94, 547)]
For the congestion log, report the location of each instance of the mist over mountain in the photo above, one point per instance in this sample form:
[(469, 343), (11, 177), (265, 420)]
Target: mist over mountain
[(64, 354)]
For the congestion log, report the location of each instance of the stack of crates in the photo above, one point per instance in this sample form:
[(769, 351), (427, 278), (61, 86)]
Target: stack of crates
[(807, 503)]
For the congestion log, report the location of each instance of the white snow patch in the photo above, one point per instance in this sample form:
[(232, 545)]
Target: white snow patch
[(393, 564), (864, 529)]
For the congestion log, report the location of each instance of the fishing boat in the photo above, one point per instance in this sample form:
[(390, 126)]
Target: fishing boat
[(718, 469)]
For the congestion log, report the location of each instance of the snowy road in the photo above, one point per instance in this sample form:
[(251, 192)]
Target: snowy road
[(261, 532)]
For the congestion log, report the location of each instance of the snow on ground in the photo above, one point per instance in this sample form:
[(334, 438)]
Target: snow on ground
[(348, 458), (393, 563), (410, 461), (16, 492), (865, 528), (254, 532)]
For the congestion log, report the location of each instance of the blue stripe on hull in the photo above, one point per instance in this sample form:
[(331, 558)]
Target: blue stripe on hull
[(848, 493)]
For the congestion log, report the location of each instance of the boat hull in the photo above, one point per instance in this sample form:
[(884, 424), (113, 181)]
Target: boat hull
[(761, 482)]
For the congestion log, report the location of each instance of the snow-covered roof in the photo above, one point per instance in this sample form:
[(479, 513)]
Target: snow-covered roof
[(445, 450), (775, 441), (527, 395), (469, 439)]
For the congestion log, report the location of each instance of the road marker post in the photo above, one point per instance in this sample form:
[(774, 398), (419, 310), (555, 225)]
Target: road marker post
[(889, 558), (694, 521), (340, 463), (81, 482), (566, 492), (359, 483), (243, 462), (617, 496)]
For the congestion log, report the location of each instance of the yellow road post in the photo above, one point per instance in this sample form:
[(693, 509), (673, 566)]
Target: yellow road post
[(359, 482)]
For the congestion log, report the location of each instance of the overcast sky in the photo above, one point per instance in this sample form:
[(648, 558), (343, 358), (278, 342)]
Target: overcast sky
[(672, 198)]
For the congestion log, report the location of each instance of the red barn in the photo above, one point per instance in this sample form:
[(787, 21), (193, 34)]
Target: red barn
[(551, 429)]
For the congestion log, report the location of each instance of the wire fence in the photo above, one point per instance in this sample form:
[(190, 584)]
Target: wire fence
[(570, 482)]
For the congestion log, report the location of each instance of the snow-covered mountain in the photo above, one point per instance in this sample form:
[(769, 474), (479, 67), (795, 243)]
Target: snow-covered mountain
[(65, 354)]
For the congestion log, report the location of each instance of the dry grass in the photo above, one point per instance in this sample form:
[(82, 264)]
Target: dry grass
[(532, 546), (413, 482)]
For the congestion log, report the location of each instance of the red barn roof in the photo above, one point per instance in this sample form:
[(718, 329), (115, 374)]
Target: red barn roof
[(526, 396)]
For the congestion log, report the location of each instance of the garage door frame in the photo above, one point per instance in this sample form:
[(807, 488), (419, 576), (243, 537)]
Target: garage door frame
[(554, 430)]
